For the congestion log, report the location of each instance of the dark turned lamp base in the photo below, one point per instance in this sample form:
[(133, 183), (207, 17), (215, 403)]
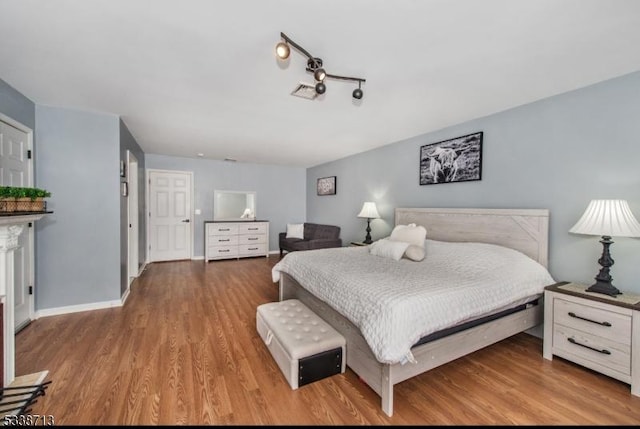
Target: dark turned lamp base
[(605, 288), (368, 240), (603, 279)]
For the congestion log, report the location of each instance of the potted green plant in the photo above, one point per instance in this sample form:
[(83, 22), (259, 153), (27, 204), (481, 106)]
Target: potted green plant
[(23, 201), (12, 194), (7, 199), (37, 196)]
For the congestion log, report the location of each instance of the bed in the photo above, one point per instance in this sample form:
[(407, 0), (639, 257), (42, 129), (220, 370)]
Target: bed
[(393, 352)]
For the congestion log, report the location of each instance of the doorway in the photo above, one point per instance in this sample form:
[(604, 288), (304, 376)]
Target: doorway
[(16, 169), (170, 228), (133, 218)]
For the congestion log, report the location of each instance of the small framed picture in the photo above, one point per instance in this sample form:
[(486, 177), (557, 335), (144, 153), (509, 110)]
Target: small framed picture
[(124, 189), (327, 185), (123, 172)]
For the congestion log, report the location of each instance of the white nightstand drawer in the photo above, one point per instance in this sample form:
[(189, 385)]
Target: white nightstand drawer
[(252, 228), (222, 229), (595, 321), (595, 349)]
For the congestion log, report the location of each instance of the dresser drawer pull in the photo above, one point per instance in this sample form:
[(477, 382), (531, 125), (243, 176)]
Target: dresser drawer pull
[(225, 239), (253, 229), (253, 248), (572, 314), (223, 229), (603, 351), (223, 251), (252, 238)]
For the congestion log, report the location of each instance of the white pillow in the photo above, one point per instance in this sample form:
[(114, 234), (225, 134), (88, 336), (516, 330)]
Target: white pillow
[(415, 253), (388, 249), (295, 230), (411, 234)]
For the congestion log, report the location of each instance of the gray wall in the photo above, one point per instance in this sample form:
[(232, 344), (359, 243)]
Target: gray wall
[(558, 153), (280, 191), (78, 251), (129, 143), (17, 106)]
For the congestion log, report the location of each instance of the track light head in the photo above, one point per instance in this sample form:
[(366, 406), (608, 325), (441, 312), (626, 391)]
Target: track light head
[(357, 93), (283, 50), (321, 88), (320, 74)]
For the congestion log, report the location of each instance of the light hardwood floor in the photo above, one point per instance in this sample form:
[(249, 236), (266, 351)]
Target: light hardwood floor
[(183, 350)]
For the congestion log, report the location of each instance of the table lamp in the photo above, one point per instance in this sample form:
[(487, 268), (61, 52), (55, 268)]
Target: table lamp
[(369, 212), (607, 218)]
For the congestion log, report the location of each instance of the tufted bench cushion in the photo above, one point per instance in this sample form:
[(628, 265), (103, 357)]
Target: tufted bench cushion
[(305, 347)]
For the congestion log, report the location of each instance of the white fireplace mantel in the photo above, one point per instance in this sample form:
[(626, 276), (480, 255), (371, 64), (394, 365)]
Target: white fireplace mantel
[(11, 226), (20, 219)]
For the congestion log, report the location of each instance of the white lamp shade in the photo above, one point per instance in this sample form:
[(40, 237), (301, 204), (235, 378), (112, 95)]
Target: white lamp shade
[(369, 211), (607, 217)]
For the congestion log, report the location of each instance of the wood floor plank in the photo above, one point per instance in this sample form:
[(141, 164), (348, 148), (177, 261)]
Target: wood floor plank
[(183, 350)]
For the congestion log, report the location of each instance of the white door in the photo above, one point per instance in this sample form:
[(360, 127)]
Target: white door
[(15, 170), (132, 202), (170, 232)]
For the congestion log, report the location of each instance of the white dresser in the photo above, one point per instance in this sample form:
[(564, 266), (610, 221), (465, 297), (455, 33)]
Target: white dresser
[(227, 240)]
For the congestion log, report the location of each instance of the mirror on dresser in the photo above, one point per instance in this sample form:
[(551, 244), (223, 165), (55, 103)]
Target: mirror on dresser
[(234, 205), (234, 231)]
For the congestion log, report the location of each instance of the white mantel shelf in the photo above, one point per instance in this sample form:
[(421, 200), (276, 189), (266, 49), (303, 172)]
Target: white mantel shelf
[(18, 218)]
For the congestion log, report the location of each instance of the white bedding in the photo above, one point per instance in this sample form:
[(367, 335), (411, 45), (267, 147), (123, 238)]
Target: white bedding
[(395, 303)]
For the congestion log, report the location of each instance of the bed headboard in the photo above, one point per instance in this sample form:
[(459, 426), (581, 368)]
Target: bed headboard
[(526, 230)]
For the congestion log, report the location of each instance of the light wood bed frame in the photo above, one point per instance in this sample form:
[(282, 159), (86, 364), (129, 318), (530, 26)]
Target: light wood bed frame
[(525, 230)]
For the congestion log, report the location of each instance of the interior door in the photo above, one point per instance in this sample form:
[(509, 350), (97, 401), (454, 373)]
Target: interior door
[(132, 203), (170, 230), (15, 170)]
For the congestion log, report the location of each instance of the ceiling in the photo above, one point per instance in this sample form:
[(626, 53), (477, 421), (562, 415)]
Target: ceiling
[(200, 76)]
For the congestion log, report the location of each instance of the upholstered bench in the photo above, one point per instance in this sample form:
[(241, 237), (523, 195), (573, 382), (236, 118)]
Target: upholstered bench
[(305, 347)]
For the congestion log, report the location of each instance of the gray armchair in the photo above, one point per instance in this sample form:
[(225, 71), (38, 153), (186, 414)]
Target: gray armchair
[(316, 236)]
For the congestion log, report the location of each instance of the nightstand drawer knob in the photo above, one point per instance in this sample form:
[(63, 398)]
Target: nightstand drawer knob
[(572, 314), (603, 351)]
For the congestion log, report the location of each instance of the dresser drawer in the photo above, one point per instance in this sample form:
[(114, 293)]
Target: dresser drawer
[(222, 240), (222, 252), (252, 228), (252, 239), (222, 229), (592, 349), (252, 249), (595, 321)]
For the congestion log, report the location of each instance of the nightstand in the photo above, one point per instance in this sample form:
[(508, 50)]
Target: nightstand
[(357, 243), (594, 330)]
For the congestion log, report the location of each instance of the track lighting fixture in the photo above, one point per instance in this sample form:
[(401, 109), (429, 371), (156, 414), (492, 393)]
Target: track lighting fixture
[(357, 93), (314, 65)]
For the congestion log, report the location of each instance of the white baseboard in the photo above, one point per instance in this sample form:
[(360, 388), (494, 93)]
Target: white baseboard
[(536, 331), (92, 306), (126, 293), (141, 270), (198, 258), (78, 308)]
